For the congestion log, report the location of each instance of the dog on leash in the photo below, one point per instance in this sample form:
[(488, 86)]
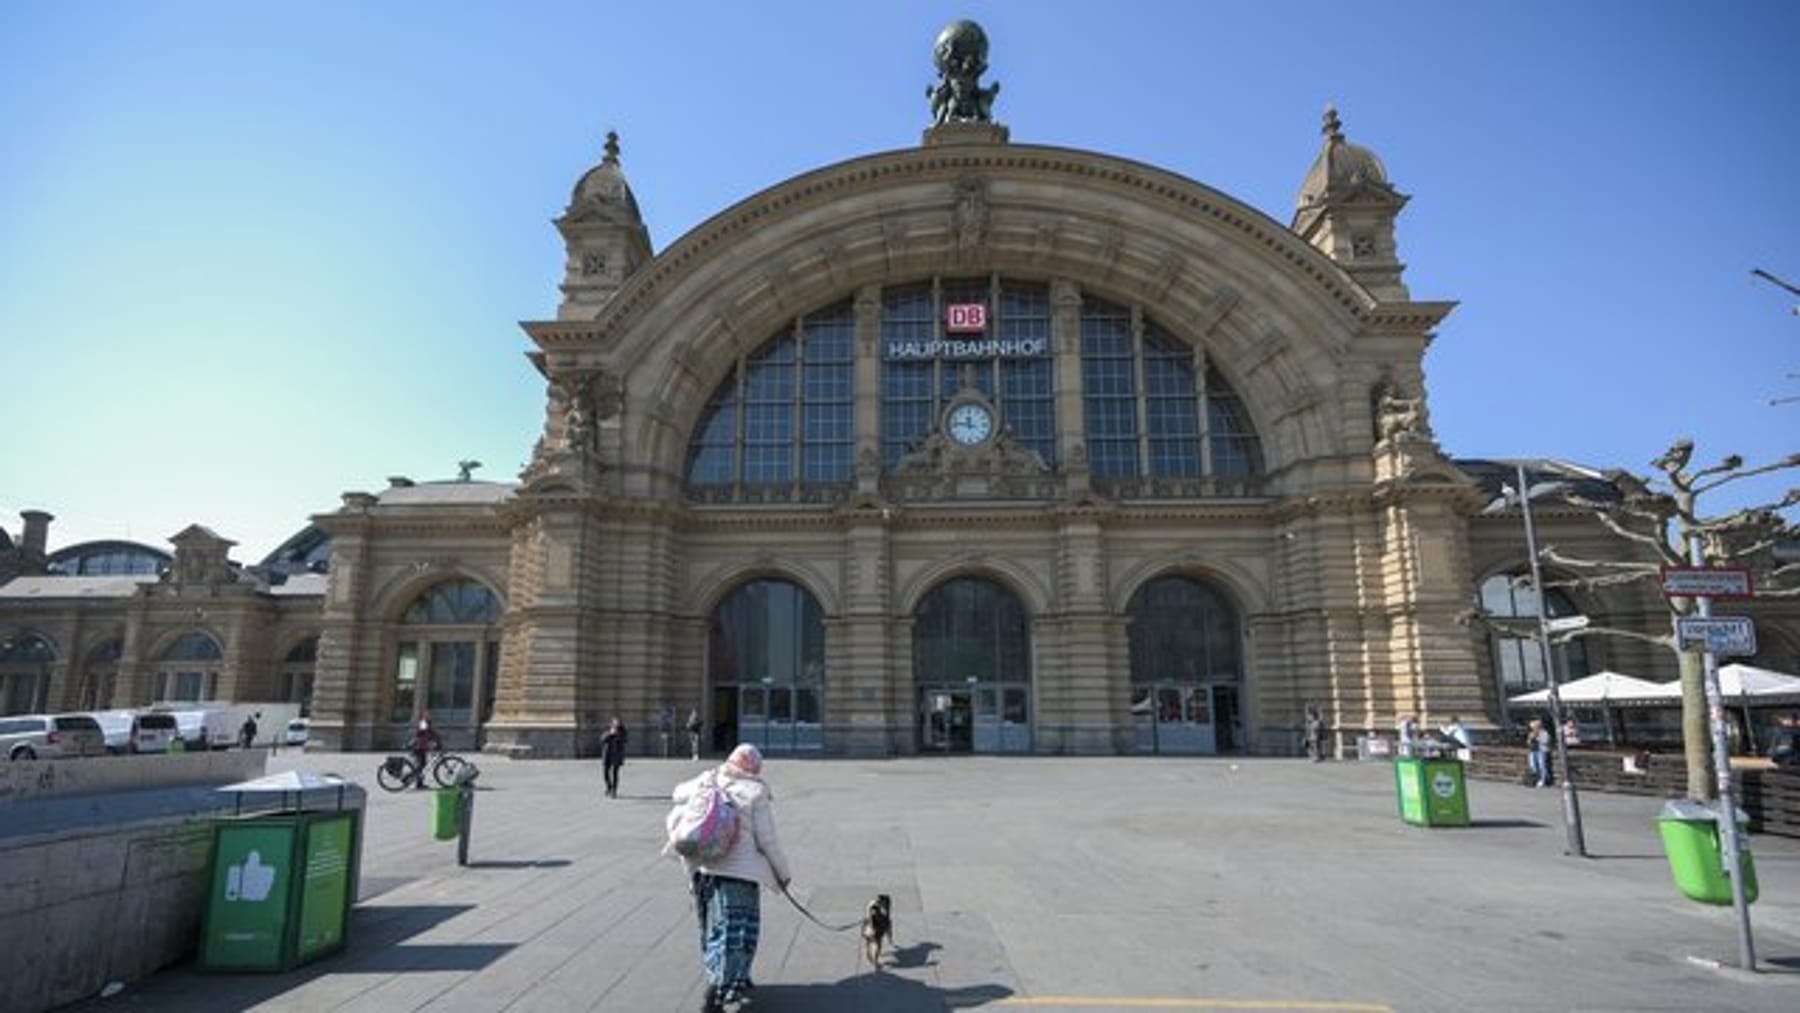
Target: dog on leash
[(877, 928)]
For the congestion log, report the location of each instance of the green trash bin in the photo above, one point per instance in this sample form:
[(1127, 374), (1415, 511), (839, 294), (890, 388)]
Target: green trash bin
[(1431, 791), (443, 814), (279, 890), (1690, 835)]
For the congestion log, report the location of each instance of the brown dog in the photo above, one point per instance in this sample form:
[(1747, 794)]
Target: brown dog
[(877, 928)]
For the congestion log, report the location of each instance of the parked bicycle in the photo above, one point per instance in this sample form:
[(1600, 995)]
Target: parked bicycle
[(398, 772)]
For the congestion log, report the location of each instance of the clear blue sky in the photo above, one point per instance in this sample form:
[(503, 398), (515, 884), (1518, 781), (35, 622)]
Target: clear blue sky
[(255, 255)]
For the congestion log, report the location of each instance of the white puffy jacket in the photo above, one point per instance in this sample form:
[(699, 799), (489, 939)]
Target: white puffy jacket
[(756, 855)]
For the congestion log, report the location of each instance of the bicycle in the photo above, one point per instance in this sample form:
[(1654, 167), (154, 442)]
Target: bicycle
[(398, 772)]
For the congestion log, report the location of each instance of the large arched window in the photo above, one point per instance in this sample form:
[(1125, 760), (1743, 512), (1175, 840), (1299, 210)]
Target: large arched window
[(1186, 667), (766, 666), (25, 662), (782, 426), (448, 635), (972, 668), (187, 669), (1518, 660), (1152, 426)]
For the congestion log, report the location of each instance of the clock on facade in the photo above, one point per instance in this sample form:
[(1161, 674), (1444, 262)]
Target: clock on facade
[(969, 424)]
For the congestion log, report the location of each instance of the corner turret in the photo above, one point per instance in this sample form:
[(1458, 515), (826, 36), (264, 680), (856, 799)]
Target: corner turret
[(1347, 207), (605, 237)]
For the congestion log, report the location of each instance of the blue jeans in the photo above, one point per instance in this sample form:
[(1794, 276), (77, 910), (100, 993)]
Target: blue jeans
[(730, 912), (1540, 767)]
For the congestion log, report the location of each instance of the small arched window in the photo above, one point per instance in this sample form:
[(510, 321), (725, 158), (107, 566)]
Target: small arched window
[(1518, 659)]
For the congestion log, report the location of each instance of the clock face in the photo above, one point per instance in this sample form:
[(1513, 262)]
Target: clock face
[(969, 424)]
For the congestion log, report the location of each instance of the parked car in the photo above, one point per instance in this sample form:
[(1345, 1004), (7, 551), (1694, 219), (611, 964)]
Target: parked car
[(51, 736), (297, 731), (116, 726), (152, 732)]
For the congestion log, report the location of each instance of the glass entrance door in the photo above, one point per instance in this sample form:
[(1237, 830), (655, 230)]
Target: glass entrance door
[(1174, 719), (946, 720)]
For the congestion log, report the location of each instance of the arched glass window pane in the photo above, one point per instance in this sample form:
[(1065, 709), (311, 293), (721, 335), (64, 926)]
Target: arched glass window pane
[(28, 648), (192, 647), (1518, 658), (1171, 407), (305, 650), (1183, 630), (1109, 389), (767, 629), (786, 418), (1235, 449), (971, 628), (455, 602)]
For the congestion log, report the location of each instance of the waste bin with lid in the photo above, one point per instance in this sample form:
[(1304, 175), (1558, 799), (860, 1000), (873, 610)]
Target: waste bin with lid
[(1690, 835), (1431, 791), (282, 880)]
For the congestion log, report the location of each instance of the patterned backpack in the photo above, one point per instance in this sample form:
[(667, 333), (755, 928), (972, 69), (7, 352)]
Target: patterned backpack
[(703, 828)]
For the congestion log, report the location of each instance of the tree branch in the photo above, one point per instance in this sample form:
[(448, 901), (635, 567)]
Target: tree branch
[(1790, 461), (1550, 553), (1665, 640), (1622, 531)]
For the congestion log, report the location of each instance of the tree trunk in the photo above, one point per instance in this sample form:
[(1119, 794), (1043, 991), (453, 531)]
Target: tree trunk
[(1696, 729)]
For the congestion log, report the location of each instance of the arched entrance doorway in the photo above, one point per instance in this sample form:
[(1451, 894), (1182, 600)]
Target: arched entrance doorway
[(766, 667), (1186, 668), (972, 669)]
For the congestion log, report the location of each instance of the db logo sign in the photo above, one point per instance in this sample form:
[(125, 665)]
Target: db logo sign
[(965, 317)]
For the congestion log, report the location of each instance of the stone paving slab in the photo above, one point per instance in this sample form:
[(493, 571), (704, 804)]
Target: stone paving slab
[(1095, 884)]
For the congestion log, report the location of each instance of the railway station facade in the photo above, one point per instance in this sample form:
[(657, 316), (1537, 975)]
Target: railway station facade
[(971, 446)]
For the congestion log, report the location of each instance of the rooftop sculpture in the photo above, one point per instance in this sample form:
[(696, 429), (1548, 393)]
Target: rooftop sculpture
[(961, 59)]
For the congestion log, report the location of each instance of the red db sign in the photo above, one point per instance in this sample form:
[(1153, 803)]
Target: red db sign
[(965, 317)]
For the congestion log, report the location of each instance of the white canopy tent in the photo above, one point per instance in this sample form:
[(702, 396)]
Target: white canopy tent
[(1742, 686), (1599, 688)]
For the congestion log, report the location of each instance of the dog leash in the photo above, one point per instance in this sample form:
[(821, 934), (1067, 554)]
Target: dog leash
[(847, 926)]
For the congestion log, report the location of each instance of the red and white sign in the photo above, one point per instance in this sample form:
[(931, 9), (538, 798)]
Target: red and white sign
[(1706, 582), (965, 317)]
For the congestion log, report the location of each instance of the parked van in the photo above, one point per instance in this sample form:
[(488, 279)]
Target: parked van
[(50, 736), (152, 732), (116, 726)]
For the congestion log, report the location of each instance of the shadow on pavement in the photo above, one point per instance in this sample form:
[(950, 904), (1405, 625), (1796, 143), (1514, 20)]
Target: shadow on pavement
[(522, 863), (376, 944), (1506, 824), (871, 993), (917, 955)]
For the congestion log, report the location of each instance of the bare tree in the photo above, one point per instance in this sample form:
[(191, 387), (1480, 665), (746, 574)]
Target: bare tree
[(1661, 516)]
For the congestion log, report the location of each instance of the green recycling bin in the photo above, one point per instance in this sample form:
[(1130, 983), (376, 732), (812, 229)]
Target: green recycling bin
[(278, 891), (1431, 791), (443, 814), (1690, 835)]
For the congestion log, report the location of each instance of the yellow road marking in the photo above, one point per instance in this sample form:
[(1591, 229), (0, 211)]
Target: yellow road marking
[(1091, 1002)]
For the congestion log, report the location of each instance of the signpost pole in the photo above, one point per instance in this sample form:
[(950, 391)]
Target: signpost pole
[(1577, 844), (1727, 811)]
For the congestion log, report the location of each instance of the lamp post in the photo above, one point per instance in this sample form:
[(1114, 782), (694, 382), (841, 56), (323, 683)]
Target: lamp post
[(1576, 845)]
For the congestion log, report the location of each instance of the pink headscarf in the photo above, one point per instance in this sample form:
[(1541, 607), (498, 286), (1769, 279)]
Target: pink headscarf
[(746, 759)]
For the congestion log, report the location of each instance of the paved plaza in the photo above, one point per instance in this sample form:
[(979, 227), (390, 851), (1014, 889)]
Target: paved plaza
[(1094, 884)]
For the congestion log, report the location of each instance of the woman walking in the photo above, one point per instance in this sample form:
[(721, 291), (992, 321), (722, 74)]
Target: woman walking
[(726, 892), (612, 755)]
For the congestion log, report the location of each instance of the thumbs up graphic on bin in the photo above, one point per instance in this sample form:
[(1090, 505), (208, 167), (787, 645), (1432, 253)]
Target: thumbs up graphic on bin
[(250, 881)]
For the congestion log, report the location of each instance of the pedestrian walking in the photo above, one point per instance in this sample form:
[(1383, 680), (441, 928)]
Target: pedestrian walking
[(727, 898), (1537, 742), (612, 755), (247, 732), (425, 742), (1409, 733), (694, 726), (1315, 733)]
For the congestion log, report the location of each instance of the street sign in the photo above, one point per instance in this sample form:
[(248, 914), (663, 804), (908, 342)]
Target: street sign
[(1718, 634), (1563, 624), (1710, 582)]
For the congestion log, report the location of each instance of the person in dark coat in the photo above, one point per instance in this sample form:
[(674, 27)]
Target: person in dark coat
[(612, 755)]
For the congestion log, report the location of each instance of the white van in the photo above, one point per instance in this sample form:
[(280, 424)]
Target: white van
[(152, 732)]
